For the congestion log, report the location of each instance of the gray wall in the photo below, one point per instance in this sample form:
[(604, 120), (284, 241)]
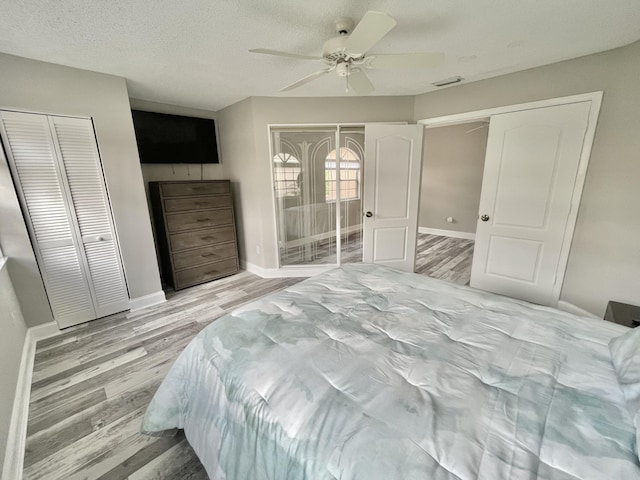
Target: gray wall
[(452, 167), (244, 138), (238, 150), (604, 262), (46, 88), (14, 331)]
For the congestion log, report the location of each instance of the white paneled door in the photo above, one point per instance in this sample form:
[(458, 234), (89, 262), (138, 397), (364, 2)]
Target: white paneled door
[(392, 170), (58, 176), (531, 168)]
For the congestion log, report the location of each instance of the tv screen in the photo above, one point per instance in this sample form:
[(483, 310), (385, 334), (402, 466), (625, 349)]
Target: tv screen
[(164, 138)]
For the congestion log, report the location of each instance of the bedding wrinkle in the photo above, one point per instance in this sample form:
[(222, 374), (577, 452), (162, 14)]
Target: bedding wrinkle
[(516, 423)]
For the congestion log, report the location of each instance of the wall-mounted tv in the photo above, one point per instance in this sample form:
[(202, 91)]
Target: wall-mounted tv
[(164, 138)]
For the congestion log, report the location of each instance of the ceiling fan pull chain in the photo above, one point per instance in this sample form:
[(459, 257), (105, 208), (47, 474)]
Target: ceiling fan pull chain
[(346, 78)]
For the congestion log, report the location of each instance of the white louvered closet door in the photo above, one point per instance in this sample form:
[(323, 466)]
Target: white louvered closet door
[(49, 160), (76, 145)]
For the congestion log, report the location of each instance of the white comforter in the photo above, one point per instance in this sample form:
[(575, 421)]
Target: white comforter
[(369, 373)]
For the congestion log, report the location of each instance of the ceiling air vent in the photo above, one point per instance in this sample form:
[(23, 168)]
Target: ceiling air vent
[(447, 81)]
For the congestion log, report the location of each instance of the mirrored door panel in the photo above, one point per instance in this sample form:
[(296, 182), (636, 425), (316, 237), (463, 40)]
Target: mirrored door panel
[(349, 174), (317, 192), (305, 221)]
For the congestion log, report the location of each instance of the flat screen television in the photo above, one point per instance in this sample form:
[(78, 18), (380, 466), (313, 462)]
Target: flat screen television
[(164, 138)]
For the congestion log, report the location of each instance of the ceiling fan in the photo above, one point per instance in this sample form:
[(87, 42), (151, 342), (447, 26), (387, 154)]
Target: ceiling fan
[(347, 53)]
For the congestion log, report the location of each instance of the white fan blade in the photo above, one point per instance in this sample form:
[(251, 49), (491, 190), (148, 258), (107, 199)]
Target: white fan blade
[(306, 79), (405, 60), (359, 82), (372, 27), (266, 51)]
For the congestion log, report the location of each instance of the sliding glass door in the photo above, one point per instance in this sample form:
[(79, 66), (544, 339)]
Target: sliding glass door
[(317, 191)]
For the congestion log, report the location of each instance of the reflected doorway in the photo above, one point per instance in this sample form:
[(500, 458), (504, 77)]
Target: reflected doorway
[(317, 183)]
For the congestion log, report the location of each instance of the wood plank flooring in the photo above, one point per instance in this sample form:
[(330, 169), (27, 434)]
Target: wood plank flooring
[(445, 258), (92, 383)]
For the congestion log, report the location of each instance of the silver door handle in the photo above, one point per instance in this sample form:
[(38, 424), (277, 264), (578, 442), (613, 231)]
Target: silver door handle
[(484, 218), (368, 214)]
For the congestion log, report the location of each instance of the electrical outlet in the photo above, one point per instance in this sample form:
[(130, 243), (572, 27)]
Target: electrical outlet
[(258, 249)]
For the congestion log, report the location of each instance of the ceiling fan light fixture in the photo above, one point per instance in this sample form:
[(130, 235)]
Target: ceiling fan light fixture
[(342, 69)]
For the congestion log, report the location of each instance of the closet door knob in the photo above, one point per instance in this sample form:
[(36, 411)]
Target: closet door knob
[(484, 218), (368, 214)]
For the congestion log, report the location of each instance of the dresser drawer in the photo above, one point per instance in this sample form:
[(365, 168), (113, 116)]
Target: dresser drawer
[(196, 203), (204, 273), (201, 238), (194, 188), (213, 253), (179, 222), (195, 230)]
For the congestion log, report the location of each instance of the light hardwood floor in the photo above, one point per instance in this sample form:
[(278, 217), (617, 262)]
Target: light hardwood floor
[(92, 383), (445, 258)]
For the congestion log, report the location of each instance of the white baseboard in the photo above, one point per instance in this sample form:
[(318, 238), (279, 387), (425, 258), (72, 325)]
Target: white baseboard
[(255, 269), (447, 233), (287, 272), (571, 308), (17, 435), (46, 330), (145, 301)]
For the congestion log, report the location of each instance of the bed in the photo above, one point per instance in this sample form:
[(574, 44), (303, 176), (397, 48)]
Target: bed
[(365, 372)]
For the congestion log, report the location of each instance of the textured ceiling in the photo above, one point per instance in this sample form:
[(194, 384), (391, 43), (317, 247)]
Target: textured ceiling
[(195, 52)]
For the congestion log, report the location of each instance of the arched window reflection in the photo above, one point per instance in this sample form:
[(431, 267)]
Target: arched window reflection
[(286, 174), (349, 175)]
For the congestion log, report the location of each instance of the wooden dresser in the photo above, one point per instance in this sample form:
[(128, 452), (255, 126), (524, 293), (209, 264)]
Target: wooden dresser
[(195, 229)]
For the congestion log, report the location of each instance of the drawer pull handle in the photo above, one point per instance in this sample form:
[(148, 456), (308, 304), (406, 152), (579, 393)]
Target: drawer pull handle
[(212, 272), (203, 220), (207, 255), (207, 238)]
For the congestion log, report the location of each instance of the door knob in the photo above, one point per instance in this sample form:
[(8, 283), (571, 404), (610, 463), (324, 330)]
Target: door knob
[(368, 214), (484, 218)]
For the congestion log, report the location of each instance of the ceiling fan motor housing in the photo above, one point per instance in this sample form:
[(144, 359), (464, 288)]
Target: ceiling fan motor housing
[(334, 50)]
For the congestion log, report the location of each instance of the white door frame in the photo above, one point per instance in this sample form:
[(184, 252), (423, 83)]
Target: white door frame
[(596, 101)]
